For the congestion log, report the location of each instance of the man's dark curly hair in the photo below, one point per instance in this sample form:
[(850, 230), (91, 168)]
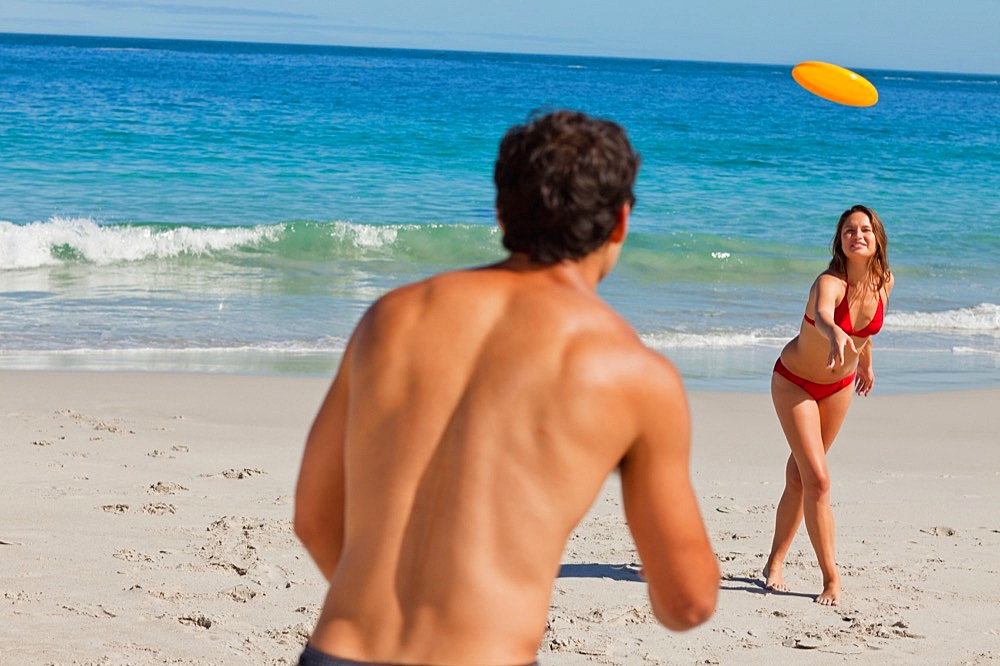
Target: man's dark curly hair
[(561, 180)]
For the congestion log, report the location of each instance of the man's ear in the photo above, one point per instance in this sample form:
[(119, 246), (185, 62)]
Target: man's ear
[(621, 224)]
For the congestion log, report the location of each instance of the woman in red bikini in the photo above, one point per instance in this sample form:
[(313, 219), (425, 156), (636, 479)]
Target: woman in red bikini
[(811, 385)]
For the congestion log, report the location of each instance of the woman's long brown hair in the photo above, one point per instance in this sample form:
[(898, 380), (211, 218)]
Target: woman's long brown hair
[(878, 265)]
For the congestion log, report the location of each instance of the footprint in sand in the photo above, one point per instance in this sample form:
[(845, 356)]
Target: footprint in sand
[(244, 473), (114, 426), (131, 555), (115, 508), (240, 594), (294, 635), (196, 620), (940, 530), (98, 611), (159, 508), (166, 488), (732, 536), (809, 641)]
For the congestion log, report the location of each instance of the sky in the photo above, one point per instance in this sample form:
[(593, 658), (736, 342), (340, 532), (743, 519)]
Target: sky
[(916, 35)]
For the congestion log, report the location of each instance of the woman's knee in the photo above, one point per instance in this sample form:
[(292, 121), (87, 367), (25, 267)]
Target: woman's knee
[(793, 480), (817, 486)]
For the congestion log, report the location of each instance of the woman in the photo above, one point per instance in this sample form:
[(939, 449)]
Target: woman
[(811, 385)]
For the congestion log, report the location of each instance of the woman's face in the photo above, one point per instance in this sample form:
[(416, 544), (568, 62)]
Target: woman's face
[(857, 237)]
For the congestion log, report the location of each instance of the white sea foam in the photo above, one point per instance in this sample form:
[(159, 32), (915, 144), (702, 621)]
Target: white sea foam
[(37, 244), (365, 235), (294, 357), (979, 319), (973, 351), (325, 345), (711, 340)]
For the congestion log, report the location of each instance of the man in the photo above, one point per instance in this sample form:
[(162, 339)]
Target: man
[(474, 419)]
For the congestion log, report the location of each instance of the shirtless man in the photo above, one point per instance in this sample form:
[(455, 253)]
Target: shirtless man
[(475, 417)]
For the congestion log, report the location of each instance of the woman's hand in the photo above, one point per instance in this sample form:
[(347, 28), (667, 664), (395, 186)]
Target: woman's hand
[(839, 341), (864, 380)]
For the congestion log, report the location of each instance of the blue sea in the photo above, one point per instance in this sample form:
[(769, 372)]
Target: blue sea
[(224, 207)]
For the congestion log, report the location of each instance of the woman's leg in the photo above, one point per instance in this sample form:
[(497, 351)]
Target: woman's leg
[(832, 411), (810, 428), (786, 524)]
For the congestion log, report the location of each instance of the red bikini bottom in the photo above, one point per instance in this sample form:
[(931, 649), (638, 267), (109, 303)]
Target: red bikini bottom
[(816, 391)]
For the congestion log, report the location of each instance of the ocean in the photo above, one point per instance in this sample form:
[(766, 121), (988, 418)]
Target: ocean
[(234, 207)]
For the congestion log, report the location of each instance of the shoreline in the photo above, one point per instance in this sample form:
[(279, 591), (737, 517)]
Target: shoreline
[(147, 520), (708, 370)]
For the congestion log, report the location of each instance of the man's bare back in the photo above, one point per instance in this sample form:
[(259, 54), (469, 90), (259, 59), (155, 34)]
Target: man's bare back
[(473, 420)]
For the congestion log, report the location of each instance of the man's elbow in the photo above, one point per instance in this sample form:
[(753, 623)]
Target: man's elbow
[(321, 540), (306, 528), (683, 609), (694, 612)]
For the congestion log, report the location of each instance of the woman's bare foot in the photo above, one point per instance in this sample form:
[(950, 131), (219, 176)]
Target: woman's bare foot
[(773, 580), (830, 594)]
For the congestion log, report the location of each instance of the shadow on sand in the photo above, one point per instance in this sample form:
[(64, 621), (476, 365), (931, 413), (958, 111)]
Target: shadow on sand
[(630, 573), (624, 572), (756, 586)]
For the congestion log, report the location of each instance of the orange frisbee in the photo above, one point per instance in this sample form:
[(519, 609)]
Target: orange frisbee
[(835, 83)]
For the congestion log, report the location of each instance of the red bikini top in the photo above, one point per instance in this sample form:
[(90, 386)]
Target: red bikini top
[(842, 318)]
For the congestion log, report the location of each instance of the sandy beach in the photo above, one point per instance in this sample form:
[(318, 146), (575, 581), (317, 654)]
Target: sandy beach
[(146, 519)]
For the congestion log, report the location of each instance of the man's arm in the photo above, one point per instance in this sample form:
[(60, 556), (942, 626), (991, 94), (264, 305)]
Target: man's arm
[(661, 508), (319, 494)]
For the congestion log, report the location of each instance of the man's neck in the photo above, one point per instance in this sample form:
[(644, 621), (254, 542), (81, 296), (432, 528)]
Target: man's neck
[(582, 273)]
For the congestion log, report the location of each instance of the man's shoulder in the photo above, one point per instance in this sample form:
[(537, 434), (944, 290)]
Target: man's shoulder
[(410, 302), (611, 348), (450, 279)]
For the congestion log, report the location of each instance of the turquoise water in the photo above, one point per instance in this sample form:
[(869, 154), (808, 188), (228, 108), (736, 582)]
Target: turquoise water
[(169, 205)]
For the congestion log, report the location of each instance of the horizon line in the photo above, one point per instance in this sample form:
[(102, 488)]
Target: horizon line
[(307, 45)]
